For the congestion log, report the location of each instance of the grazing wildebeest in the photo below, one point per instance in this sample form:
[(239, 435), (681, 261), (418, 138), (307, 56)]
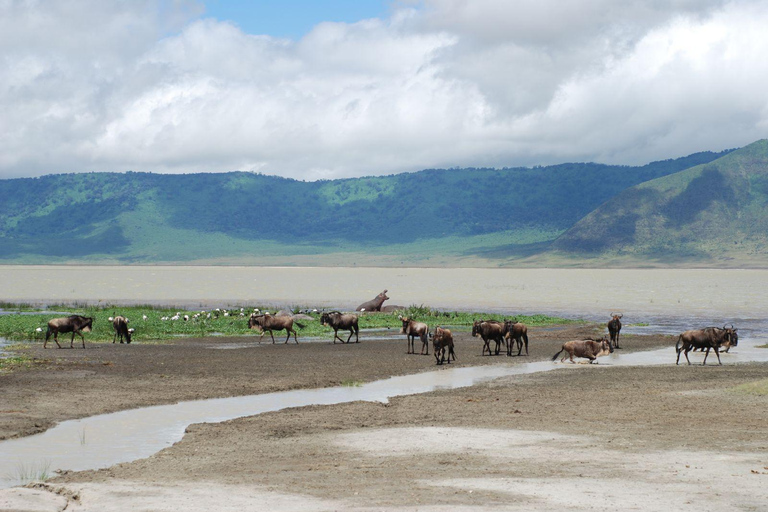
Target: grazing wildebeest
[(374, 304), (412, 329), (614, 327), (442, 342), (590, 349), (75, 324), (267, 322), (338, 321), (489, 330), (707, 338), (516, 332), (120, 323)]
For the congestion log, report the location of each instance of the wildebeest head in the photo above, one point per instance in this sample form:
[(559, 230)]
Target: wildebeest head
[(476, 327), (382, 296), (605, 345), (731, 335), (405, 321)]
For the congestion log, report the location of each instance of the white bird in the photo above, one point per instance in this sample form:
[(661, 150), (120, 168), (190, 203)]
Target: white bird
[(110, 319), (143, 317), (39, 329)]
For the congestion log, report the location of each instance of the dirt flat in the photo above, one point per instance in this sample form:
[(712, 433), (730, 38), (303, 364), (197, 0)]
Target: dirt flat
[(582, 437)]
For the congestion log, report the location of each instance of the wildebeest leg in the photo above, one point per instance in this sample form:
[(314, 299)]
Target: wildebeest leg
[(487, 346), (617, 340), (295, 335), (273, 336), (351, 332), (357, 334), (686, 349), (336, 335), (411, 340)]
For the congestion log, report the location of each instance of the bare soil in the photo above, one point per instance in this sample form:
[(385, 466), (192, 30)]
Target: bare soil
[(586, 436)]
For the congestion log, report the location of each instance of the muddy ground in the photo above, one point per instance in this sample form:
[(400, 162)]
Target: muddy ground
[(583, 437)]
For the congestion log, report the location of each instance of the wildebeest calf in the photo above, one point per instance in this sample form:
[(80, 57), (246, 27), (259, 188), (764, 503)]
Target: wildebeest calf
[(120, 323), (412, 329), (516, 332), (589, 349), (75, 324), (442, 342), (338, 320)]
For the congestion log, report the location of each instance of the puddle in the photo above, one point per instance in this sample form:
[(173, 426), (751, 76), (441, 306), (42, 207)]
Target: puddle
[(104, 440)]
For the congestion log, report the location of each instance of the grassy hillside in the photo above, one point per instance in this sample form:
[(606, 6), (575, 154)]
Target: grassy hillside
[(713, 213), (439, 216)]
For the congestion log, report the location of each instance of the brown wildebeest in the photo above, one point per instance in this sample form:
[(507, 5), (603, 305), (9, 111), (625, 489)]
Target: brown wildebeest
[(442, 342), (75, 324), (733, 341), (489, 330), (614, 327), (120, 323), (516, 332), (590, 349), (374, 304), (412, 329), (707, 338), (338, 321), (271, 323)]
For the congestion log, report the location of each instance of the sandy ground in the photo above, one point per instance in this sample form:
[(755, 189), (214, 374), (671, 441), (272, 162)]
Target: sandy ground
[(589, 437)]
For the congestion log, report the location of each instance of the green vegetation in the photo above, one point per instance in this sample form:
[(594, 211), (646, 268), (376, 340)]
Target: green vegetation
[(33, 472), (759, 388), (432, 217), (13, 363)]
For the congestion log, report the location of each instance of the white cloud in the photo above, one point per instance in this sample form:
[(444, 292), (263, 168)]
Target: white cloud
[(115, 86)]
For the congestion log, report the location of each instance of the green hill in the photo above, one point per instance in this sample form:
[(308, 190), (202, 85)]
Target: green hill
[(433, 217), (714, 213)]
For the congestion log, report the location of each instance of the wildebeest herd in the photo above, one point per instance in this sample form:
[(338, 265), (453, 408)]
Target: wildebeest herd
[(510, 334)]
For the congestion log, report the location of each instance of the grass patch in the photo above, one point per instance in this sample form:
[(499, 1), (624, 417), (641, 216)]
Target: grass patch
[(349, 383), (13, 363), (33, 472), (759, 388)]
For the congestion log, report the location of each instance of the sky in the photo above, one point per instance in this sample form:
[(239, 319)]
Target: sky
[(323, 90)]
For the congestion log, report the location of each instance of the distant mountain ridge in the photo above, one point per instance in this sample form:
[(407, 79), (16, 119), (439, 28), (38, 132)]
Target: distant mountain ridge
[(490, 214)]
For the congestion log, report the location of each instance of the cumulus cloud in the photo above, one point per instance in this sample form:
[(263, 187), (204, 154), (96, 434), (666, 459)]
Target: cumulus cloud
[(153, 86)]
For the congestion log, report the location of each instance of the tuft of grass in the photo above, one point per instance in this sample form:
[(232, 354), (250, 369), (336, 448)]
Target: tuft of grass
[(350, 383), (759, 387), (10, 364), (33, 472)]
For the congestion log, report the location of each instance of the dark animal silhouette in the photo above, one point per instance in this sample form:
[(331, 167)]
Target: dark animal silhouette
[(75, 324), (733, 341), (707, 338), (271, 323), (412, 329), (614, 327), (590, 349), (374, 304), (516, 332), (489, 330), (338, 320), (120, 323), (442, 343)]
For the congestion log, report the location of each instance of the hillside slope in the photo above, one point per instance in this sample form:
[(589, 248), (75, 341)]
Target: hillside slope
[(253, 218), (712, 213)]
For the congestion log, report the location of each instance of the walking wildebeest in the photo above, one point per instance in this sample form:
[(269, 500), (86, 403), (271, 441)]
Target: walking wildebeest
[(733, 341), (489, 330), (338, 321), (614, 327), (120, 323), (517, 332), (267, 322), (709, 338), (73, 323), (412, 329), (374, 304), (442, 342), (590, 349)]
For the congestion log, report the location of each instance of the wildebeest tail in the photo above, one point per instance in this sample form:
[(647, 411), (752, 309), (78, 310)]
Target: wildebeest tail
[(677, 345), (301, 326), (558, 353)]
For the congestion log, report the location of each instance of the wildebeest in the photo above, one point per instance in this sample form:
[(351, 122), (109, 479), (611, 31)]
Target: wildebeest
[(75, 324), (707, 338), (614, 327), (590, 349), (517, 332), (267, 322), (442, 342), (338, 320), (374, 304), (120, 323), (733, 341), (489, 330), (412, 329)]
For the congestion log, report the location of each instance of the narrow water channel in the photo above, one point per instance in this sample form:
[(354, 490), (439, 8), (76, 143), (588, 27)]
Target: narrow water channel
[(104, 440)]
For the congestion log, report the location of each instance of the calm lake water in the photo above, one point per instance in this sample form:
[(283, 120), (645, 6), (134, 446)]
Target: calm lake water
[(642, 295)]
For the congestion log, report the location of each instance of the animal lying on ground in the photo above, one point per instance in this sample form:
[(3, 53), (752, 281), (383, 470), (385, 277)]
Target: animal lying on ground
[(75, 324), (267, 322), (412, 329), (590, 349), (120, 323), (614, 328), (374, 304), (442, 342), (516, 332), (707, 338), (489, 330), (338, 320)]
